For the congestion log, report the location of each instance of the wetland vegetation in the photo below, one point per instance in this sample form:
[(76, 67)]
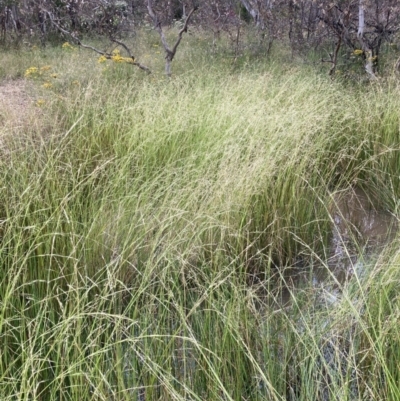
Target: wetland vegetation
[(165, 239)]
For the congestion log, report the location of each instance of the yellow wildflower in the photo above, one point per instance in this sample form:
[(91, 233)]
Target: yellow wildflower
[(117, 58), (31, 71), (358, 52), (47, 85), (102, 59), (40, 102), (68, 46)]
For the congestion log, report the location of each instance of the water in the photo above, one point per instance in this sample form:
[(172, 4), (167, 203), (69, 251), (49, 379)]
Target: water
[(360, 230)]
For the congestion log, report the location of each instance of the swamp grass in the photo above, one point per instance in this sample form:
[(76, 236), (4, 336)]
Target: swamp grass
[(148, 227)]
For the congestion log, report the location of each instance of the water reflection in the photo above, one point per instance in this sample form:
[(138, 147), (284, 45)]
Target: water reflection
[(360, 231)]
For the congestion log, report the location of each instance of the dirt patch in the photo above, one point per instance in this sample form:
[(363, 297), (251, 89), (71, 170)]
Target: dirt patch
[(18, 111), (15, 101)]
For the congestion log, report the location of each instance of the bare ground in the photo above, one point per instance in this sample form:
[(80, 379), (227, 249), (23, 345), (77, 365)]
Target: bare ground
[(17, 109), (15, 101)]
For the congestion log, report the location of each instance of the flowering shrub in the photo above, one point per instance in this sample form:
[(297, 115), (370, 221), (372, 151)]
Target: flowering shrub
[(116, 57), (42, 72), (35, 72)]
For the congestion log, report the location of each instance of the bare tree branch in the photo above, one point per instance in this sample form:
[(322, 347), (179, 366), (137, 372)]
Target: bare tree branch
[(334, 57), (184, 29), (169, 53), (141, 66), (85, 46)]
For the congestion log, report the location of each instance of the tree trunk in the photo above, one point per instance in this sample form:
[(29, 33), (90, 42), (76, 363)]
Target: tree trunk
[(254, 13), (369, 57)]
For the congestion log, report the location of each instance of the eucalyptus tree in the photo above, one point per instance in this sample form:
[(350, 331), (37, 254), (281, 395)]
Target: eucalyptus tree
[(362, 26), (358, 26), (170, 51)]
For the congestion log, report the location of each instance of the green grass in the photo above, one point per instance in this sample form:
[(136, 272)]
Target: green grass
[(148, 224)]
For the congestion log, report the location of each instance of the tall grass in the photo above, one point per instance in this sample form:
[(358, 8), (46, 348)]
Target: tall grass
[(148, 227)]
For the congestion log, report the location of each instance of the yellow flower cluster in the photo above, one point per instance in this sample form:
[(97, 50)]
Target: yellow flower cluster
[(358, 52), (68, 46), (116, 57), (43, 74), (102, 59), (127, 60), (32, 71)]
